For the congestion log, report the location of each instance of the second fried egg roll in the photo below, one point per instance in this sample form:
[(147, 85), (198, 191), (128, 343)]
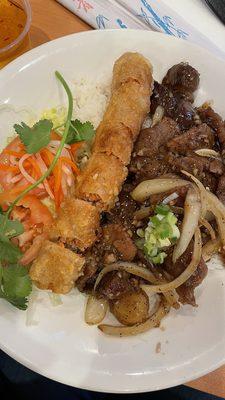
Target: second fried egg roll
[(114, 140), (101, 180), (78, 223)]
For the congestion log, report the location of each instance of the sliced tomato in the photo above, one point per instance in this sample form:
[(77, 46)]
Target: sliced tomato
[(39, 213)]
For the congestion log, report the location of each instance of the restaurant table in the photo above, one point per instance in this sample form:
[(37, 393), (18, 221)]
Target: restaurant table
[(50, 20)]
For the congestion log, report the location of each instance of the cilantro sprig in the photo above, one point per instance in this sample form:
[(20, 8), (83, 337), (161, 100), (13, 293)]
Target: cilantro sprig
[(79, 132), (37, 137), (15, 283)]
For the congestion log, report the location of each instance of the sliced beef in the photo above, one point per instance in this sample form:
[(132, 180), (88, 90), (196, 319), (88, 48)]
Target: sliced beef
[(148, 157), (197, 166), (185, 115), (114, 285), (149, 168), (162, 96), (175, 106), (186, 291), (115, 237), (221, 189), (151, 141), (195, 138), (215, 122), (182, 78), (115, 244), (216, 167), (124, 209), (86, 282)]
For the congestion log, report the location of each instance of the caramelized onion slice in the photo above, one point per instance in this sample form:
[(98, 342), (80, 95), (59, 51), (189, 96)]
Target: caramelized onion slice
[(192, 210), (158, 115), (155, 186), (151, 322), (208, 153), (210, 248), (209, 227), (201, 189), (196, 257), (95, 310), (218, 209)]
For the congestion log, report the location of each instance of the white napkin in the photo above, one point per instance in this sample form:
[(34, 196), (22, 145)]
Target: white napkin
[(187, 19)]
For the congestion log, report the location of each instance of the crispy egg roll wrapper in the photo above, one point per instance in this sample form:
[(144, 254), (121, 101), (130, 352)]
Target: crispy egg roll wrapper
[(114, 140), (101, 180), (132, 67), (56, 268), (78, 221), (128, 106)]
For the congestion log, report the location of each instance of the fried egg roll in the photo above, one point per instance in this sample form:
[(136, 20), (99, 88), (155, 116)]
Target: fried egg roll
[(128, 107), (77, 222), (114, 140), (132, 67), (56, 268), (101, 180)]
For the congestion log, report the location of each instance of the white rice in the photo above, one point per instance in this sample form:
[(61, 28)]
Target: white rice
[(90, 100)]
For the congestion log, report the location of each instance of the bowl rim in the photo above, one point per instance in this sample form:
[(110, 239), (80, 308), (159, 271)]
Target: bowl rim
[(27, 8)]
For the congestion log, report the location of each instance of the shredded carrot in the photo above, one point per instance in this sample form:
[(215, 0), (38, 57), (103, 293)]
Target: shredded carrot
[(66, 160), (35, 166), (75, 146), (57, 185), (17, 154), (55, 136), (6, 167), (47, 156)]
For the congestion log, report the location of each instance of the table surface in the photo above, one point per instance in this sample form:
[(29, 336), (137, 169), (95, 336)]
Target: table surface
[(50, 21)]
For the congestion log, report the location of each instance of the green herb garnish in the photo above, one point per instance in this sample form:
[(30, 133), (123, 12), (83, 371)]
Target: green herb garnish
[(161, 232), (79, 131), (15, 283), (59, 151), (36, 137)]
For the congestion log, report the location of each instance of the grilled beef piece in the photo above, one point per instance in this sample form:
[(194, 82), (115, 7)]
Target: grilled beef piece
[(162, 96), (186, 291), (124, 209), (86, 282), (151, 141), (115, 244), (114, 284), (149, 150), (221, 189), (185, 115), (116, 237), (182, 78), (215, 122), (149, 168), (176, 106), (195, 138), (197, 166)]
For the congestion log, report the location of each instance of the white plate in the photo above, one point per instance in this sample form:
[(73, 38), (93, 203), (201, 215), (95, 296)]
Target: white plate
[(62, 347)]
